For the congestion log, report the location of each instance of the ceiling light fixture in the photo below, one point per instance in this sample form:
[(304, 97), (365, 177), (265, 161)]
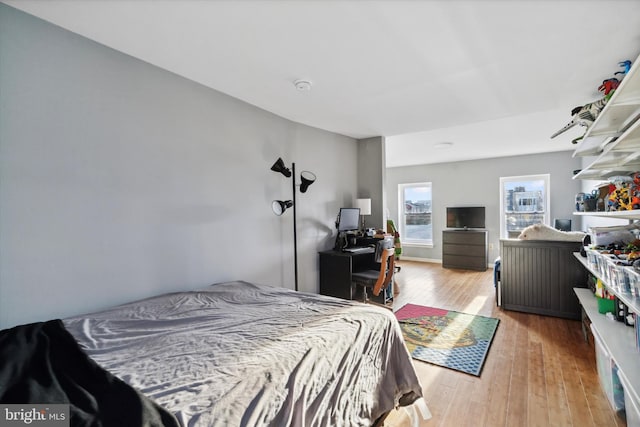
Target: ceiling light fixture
[(302, 85), (443, 145)]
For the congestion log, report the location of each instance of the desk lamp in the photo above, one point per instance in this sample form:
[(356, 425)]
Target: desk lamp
[(365, 209)]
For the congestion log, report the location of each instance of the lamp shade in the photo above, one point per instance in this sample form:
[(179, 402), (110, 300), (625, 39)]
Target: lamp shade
[(364, 205), (279, 166), (279, 206), (306, 179)]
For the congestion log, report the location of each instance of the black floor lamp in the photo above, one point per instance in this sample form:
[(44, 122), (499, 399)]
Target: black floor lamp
[(279, 206)]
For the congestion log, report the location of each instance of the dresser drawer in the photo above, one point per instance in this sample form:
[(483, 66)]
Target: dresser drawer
[(464, 250), (464, 237), (465, 262)]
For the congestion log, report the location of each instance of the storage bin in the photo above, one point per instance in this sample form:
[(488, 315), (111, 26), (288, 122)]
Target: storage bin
[(621, 309), (603, 236), (606, 305), (606, 266), (631, 403), (608, 374), (620, 278), (592, 258), (636, 327), (613, 269), (634, 281), (624, 284)]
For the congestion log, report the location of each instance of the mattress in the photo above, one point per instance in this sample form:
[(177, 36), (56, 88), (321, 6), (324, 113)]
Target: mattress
[(244, 354)]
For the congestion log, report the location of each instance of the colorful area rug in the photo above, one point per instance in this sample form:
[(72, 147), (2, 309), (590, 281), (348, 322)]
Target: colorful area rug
[(447, 338)]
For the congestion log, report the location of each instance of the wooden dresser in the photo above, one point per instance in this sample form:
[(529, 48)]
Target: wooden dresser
[(465, 249)]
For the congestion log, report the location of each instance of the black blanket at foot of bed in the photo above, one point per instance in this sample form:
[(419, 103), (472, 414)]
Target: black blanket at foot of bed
[(41, 363)]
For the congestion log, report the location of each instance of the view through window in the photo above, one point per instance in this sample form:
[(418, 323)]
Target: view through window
[(415, 213), (524, 200)]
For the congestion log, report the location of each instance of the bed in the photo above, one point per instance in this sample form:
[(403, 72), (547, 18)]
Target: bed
[(238, 353)]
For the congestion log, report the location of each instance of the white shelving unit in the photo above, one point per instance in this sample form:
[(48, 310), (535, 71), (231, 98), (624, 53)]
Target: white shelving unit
[(630, 215), (614, 140), (631, 302), (618, 339), (615, 134)]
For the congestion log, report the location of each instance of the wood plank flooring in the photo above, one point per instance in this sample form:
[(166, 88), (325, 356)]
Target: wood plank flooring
[(539, 370)]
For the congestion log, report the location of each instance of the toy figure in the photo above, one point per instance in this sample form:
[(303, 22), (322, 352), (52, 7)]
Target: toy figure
[(626, 65), (635, 192), (634, 202), (583, 115), (609, 86), (622, 196), (619, 199)]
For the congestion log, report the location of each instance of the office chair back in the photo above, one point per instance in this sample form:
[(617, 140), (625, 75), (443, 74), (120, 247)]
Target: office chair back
[(380, 279), (381, 245), (387, 268)]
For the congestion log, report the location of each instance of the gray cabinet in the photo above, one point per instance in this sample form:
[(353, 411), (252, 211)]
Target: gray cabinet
[(538, 276), (465, 249)]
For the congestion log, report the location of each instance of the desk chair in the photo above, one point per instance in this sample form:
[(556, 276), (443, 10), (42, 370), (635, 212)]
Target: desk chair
[(378, 281)]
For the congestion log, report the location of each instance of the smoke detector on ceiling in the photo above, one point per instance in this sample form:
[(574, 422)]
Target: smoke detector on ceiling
[(302, 85)]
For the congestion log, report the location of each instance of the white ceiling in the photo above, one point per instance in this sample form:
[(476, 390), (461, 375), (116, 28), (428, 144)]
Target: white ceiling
[(495, 77)]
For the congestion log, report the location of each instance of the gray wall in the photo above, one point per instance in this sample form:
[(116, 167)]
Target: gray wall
[(119, 180), (477, 183), (371, 177)]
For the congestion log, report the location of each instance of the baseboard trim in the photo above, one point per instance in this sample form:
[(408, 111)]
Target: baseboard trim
[(432, 260), (411, 258)]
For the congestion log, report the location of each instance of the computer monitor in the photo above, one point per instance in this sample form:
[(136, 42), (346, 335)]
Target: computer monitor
[(348, 219), (562, 224)]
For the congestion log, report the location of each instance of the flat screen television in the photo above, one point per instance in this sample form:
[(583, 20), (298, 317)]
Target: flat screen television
[(465, 217), (348, 219)]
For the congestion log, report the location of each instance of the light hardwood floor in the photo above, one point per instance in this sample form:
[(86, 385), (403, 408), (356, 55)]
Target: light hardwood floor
[(539, 370)]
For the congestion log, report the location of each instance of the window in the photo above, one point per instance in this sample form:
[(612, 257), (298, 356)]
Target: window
[(524, 200), (415, 213)]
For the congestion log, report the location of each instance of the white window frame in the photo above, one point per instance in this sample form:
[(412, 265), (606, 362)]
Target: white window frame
[(401, 216), (546, 178)]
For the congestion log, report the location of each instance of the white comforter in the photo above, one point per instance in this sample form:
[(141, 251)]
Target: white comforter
[(240, 354)]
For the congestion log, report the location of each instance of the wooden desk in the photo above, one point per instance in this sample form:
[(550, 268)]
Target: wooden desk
[(336, 268)]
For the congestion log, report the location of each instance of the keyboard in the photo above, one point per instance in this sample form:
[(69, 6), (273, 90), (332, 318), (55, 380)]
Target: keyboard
[(357, 249)]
